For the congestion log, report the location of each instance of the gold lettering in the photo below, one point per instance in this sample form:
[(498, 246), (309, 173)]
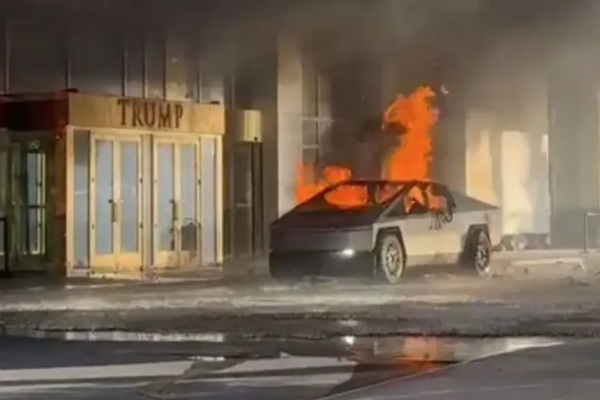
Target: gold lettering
[(178, 115), (137, 114), (150, 114), (123, 103), (164, 116)]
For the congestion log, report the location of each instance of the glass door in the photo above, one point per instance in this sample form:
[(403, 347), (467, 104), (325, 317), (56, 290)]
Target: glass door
[(116, 205), (34, 210), (129, 204), (189, 203), (176, 210)]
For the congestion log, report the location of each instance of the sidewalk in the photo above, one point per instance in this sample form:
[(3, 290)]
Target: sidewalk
[(231, 273), (236, 270), (249, 278)]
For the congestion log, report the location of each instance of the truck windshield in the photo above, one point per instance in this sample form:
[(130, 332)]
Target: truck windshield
[(357, 196)]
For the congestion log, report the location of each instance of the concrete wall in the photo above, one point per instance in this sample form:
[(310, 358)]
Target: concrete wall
[(574, 151)]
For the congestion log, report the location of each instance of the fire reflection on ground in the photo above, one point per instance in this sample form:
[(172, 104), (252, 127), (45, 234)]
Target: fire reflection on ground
[(405, 357)]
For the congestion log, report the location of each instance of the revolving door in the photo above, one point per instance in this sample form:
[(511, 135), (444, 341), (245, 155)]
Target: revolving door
[(26, 177)]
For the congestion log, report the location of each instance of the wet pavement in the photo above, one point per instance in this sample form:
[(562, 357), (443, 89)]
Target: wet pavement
[(439, 305), (45, 369), (431, 301)]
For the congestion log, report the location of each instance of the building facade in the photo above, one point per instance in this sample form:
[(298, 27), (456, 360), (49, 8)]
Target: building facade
[(170, 135)]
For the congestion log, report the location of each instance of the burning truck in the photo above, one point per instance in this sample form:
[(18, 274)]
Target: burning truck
[(380, 227)]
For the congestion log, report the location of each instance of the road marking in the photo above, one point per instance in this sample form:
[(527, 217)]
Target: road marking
[(115, 336), (82, 373)]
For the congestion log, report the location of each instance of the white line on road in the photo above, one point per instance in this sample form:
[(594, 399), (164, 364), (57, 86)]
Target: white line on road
[(82, 373)]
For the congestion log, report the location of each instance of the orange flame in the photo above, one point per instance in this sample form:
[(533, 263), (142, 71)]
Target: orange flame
[(414, 117), (412, 159)]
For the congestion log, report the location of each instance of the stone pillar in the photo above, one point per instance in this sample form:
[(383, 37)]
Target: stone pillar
[(279, 99), (289, 119)]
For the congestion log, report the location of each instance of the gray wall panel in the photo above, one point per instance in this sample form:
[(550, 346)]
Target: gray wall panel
[(134, 61), (155, 66), (37, 57), (96, 56)]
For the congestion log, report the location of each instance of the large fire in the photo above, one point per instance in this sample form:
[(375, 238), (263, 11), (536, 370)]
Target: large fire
[(413, 117)]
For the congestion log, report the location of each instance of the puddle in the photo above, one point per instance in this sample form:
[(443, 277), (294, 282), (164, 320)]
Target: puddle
[(446, 349), (416, 348), (195, 366)]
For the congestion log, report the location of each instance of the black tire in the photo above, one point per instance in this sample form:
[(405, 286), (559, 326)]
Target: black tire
[(479, 253), (390, 257)]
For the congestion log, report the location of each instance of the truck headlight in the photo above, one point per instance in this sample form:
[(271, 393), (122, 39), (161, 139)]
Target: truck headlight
[(348, 253)]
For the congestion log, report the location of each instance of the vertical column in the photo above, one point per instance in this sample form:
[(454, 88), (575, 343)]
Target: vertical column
[(289, 119)]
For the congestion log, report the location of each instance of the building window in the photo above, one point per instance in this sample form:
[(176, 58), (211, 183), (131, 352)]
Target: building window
[(316, 120)]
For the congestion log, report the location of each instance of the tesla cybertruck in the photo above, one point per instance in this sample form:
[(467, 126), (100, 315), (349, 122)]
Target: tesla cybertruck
[(380, 228)]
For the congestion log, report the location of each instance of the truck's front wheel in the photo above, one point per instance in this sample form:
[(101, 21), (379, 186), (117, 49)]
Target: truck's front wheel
[(391, 261)]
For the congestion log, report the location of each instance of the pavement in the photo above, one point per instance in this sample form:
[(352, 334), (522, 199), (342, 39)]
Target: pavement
[(531, 293)]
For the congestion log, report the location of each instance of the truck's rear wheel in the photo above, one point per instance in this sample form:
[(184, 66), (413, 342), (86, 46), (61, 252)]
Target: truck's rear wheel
[(479, 253), (391, 260)]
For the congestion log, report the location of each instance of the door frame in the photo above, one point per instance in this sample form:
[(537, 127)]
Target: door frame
[(117, 262), (177, 257)]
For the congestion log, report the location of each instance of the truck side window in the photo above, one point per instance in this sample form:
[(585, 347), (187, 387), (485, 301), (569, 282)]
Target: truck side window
[(413, 203)]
